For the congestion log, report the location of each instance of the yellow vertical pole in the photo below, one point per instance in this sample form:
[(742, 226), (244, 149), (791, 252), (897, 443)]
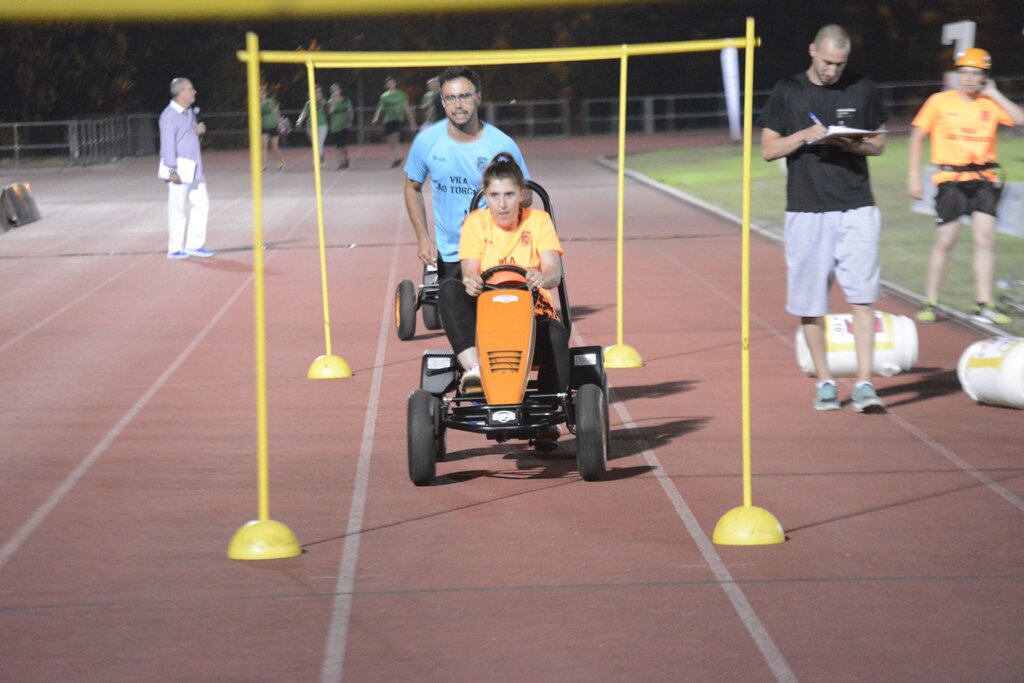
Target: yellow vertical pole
[(255, 171), (621, 355), (620, 207), (318, 181), (262, 538), (747, 525), (327, 366), (748, 129)]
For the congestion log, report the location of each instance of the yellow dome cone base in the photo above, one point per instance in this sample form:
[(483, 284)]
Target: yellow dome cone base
[(748, 525), (329, 367), (622, 356), (263, 540)]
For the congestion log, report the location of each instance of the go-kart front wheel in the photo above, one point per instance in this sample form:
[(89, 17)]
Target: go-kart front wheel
[(425, 444), (405, 310), (591, 432)]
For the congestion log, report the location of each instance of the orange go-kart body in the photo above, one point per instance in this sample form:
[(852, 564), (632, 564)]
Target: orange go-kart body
[(504, 338)]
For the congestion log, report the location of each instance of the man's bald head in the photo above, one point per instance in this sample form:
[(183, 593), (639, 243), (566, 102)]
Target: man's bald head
[(835, 34)]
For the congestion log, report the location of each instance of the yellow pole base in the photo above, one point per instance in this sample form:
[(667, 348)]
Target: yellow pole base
[(748, 525), (622, 356), (329, 367), (263, 540)]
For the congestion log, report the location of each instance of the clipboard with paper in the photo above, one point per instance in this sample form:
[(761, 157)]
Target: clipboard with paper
[(845, 132), (186, 170)]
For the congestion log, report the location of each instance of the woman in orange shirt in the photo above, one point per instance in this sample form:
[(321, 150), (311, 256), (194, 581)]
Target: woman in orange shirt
[(963, 127), (507, 233)]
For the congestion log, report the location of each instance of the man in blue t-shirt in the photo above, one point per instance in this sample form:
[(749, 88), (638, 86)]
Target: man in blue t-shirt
[(454, 153)]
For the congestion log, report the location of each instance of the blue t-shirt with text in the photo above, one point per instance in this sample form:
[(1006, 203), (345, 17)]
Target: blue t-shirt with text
[(455, 170)]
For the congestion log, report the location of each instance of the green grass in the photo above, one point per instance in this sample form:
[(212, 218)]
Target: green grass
[(714, 175)]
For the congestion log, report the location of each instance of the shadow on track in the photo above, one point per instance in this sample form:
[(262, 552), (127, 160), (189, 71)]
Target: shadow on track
[(934, 383), (660, 390), (631, 442)]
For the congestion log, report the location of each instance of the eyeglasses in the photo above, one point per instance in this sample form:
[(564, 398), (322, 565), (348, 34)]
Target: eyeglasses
[(461, 97)]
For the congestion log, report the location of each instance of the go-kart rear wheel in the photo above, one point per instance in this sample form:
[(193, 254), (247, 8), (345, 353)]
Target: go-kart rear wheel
[(431, 316), (607, 422), (591, 432), (405, 310), (422, 437)]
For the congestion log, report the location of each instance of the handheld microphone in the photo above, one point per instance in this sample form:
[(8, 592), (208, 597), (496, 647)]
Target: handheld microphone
[(197, 113)]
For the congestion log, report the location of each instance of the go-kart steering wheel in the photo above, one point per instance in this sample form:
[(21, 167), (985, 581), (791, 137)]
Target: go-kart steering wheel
[(488, 286), (486, 274)]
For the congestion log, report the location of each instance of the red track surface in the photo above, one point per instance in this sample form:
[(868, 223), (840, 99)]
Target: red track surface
[(127, 463)]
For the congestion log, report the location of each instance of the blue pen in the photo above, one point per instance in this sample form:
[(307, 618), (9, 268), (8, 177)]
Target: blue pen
[(814, 118)]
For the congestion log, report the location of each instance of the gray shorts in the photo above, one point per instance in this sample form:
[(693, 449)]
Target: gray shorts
[(839, 244)]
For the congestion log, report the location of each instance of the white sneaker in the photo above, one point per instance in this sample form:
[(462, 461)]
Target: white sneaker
[(865, 399), (471, 383)]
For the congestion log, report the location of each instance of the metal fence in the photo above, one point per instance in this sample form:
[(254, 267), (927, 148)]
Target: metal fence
[(79, 141), (669, 113), (658, 113), (103, 139)]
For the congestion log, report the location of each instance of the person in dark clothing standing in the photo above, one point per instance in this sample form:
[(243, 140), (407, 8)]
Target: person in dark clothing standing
[(832, 224)]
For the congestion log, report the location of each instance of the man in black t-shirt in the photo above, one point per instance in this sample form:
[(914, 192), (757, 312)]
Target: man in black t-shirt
[(832, 223)]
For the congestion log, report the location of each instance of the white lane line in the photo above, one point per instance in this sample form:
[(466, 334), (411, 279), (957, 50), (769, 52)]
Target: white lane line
[(787, 340), (954, 459), (744, 610), (43, 511), (898, 290), (689, 198), (942, 450), (99, 226), (341, 611), (71, 304), (14, 340)]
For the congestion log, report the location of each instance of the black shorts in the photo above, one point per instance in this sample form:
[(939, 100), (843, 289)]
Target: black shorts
[(272, 132), (338, 138), (392, 127), (962, 199)]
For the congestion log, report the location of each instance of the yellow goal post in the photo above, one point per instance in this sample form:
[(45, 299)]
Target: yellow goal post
[(253, 57), (351, 60)]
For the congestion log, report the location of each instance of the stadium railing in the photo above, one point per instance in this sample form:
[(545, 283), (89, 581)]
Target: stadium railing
[(101, 139)]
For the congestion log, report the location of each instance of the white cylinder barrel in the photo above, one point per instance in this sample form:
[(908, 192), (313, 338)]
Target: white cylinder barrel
[(895, 346), (992, 371)]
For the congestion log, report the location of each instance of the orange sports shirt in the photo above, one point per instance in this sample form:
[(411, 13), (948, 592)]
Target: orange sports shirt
[(962, 132), (483, 239)]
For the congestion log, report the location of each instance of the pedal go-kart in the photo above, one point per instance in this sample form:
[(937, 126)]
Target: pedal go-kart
[(408, 300), (511, 406)]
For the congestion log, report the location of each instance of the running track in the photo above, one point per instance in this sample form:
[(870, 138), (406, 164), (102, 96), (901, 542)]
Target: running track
[(127, 462)]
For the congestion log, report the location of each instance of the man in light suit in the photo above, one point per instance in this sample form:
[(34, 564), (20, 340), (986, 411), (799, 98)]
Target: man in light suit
[(181, 166)]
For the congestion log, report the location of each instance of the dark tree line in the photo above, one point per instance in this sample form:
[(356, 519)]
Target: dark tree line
[(55, 71)]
